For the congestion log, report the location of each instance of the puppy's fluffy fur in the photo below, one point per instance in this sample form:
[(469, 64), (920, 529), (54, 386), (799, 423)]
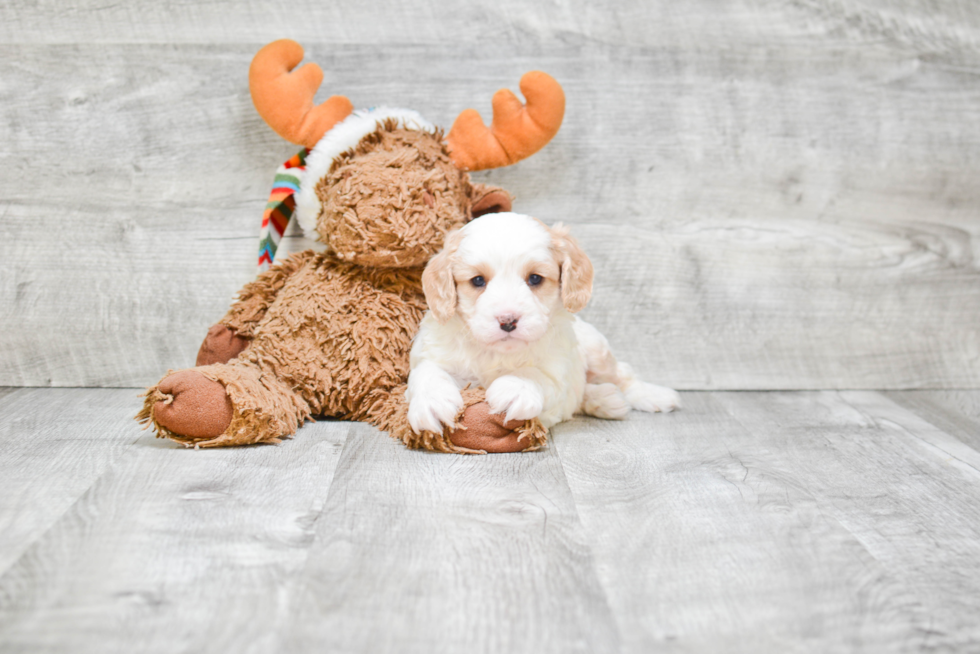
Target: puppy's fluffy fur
[(501, 295)]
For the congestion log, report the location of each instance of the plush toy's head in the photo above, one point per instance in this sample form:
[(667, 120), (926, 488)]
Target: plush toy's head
[(382, 187)]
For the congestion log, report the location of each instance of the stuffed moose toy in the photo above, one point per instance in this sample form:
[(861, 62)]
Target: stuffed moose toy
[(329, 333)]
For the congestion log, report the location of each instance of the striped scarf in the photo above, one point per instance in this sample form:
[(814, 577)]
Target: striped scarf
[(280, 208)]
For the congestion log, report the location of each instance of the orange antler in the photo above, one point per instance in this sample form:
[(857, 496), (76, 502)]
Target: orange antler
[(517, 131), (284, 97)]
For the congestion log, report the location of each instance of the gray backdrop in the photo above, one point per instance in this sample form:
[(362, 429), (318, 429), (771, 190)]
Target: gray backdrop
[(776, 194)]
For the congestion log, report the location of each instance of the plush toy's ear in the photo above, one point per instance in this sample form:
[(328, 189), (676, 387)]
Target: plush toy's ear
[(488, 199), (438, 283), (576, 269)]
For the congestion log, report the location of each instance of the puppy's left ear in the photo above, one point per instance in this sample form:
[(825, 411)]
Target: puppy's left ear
[(438, 283), (576, 269)]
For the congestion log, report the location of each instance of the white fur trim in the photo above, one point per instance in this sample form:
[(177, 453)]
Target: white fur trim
[(341, 138)]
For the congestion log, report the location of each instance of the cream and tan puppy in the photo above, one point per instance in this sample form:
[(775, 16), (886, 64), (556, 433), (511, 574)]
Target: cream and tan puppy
[(501, 295)]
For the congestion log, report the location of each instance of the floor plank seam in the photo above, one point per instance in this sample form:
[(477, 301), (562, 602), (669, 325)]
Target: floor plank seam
[(593, 558), (110, 467)]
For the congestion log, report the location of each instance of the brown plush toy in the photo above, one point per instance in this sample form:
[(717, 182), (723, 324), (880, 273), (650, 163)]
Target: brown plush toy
[(329, 333)]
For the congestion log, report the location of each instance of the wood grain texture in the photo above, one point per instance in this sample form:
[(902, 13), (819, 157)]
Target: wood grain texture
[(781, 522), (747, 522), (955, 412), (943, 25), (48, 464), (906, 490), (421, 552), (173, 550), (776, 195)]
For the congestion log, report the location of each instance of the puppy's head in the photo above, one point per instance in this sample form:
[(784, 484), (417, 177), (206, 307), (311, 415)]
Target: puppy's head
[(506, 276)]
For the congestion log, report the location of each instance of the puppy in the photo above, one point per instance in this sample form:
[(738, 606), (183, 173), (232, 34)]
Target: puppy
[(501, 296)]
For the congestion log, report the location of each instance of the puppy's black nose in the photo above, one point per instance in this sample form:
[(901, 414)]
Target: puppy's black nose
[(508, 322)]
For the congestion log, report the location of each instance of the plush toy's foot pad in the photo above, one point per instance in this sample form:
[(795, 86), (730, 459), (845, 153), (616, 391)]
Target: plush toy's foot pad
[(221, 345), (192, 405), (222, 405), (476, 431), (488, 432)]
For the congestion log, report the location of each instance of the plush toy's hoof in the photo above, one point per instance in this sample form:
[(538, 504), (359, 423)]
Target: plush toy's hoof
[(195, 406), (221, 345), (485, 431)]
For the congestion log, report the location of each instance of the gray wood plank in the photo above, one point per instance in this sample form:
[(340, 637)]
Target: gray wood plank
[(943, 24), (421, 552), (907, 490), (792, 215), (88, 317), (56, 443), (174, 550), (780, 522), (965, 402), (955, 412), (730, 310)]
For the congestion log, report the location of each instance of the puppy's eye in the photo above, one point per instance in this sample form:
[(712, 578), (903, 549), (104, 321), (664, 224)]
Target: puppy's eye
[(534, 280), (478, 281)]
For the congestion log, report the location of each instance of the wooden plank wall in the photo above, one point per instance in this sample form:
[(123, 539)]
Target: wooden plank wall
[(777, 194)]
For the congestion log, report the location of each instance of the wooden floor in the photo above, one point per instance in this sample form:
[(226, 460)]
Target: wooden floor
[(747, 522)]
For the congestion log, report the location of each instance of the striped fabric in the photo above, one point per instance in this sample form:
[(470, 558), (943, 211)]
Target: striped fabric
[(279, 210)]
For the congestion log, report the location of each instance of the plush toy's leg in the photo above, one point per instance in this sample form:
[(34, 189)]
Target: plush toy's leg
[(475, 431), (233, 334), (216, 405), (221, 345)]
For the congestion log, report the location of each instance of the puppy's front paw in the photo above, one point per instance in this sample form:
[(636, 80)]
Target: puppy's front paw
[(430, 410), (652, 398), (521, 399)]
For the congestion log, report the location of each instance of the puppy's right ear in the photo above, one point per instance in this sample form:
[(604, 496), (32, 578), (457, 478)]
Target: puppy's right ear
[(576, 269), (438, 283)]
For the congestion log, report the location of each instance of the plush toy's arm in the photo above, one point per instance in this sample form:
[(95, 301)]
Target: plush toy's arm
[(233, 333), (255, 297)]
